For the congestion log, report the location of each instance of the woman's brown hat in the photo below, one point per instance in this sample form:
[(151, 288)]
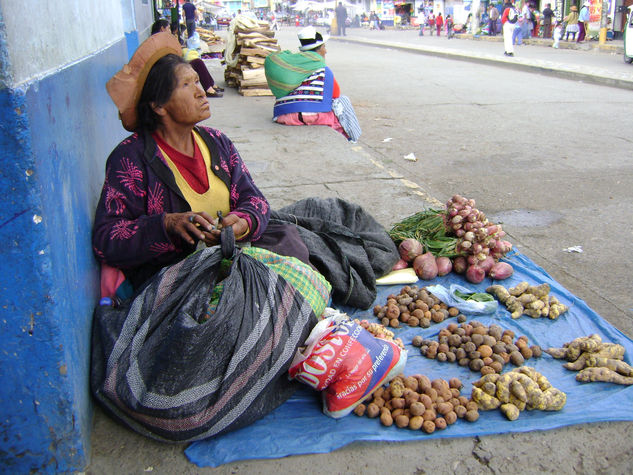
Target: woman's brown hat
[(125, 87)]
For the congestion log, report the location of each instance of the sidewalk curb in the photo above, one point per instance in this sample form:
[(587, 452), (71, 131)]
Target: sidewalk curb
[(543, 67)]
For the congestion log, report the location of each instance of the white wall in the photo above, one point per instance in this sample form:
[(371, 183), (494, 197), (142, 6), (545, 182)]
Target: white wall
[(43, 35)]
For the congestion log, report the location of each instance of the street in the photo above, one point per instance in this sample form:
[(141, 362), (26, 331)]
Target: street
[(548, 157)]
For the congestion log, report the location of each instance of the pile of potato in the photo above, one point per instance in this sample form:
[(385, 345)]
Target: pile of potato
[(595, 360), (531, 300), (517, 390), (379, 331), (415, 307), (481, 348), (417, 403)]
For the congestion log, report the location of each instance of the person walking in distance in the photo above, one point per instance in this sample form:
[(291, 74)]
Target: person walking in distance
[(190, 17), (492, 20), (508, 20), (548, 13), (341, 16), (583, 22), (439, 23)]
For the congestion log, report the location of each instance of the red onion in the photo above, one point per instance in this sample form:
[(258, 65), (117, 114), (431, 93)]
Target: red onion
[(409, 249), (401, 264), (475, 274), (425, 266), (460, 264), (501, 270), (444, 265), (487, 264)]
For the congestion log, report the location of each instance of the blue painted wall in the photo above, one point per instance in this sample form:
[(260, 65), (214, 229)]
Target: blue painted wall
[(55, 135)]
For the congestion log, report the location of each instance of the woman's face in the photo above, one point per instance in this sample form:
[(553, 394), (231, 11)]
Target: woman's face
[(188, 104)]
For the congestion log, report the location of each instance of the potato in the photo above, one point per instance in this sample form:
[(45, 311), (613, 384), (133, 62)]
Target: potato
[(360, 410), (417, 409), (428, 426), (455, 383), (451, 417), (402, 421), (485, 351), (429, 415), (411, 399), (460, 411), (396, 412), (471, 416), (444, 408), (415, 423), (432, 393), (440, 423), (472, 406), (426, 400), (517, 358), (372, 410), (397, 403), (378, 401), (386, 419)]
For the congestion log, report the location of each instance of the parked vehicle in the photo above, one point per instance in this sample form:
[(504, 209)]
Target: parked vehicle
[(628, 37)]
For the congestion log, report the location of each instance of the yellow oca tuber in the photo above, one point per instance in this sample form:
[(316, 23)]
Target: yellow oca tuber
[(530, 300), (596, 360), (517, 390)]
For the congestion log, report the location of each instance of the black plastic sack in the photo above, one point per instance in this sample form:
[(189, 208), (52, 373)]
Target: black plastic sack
[(168, 377)]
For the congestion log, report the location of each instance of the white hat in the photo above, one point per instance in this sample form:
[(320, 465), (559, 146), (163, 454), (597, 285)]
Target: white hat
[(311, 39)]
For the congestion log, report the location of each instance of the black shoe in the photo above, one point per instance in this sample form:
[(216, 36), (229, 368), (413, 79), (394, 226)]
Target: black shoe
[(510, 54), (218, 88)]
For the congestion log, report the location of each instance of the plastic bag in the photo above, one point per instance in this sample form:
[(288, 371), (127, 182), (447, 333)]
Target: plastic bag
[(168, 376), (346, 363), (467, 306)]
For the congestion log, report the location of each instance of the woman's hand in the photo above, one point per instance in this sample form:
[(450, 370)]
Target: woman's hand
[(190, 227), (239, 225)]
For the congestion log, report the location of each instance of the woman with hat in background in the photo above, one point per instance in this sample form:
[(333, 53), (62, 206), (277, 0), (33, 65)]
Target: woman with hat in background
[(305, 89), (166, 183), (583, 22), (572, 23)]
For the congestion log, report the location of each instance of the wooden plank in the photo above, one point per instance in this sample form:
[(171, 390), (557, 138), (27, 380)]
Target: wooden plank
[(254, 74), (257, 82), (255, 59), (255, 92), (255, 52)]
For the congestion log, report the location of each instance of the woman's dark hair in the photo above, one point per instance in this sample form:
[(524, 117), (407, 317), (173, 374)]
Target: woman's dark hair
[(158, 88), (158, 25)]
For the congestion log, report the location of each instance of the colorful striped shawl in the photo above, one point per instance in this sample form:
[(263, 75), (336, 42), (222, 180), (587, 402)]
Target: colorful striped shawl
[(286, 70), (314, 94)]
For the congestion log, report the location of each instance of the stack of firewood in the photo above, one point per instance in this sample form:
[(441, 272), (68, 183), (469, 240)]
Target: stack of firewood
[(252, 45), (210, 42)]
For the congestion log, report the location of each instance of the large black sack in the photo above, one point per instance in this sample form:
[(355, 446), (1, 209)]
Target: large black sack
[(158, 370), (346, 244)]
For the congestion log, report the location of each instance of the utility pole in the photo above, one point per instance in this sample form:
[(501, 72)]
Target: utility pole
[(602, 39)]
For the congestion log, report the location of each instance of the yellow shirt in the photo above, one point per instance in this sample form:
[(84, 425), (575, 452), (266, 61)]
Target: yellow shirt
[(215, 199)]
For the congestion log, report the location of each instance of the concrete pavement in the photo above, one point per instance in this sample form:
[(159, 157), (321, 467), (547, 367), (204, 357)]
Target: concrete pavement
[(588, 62)]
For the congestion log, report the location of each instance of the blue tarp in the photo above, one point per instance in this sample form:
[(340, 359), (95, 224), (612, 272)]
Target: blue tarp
[(299, 426)]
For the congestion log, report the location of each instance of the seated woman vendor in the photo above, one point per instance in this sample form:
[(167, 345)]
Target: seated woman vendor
[(305, 89), (166, 184)]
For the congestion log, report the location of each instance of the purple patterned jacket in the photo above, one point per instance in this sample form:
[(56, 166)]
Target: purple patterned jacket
[(138, 190)]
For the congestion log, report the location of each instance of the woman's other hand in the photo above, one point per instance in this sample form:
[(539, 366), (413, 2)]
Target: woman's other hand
[(239, 225), (190, 227)]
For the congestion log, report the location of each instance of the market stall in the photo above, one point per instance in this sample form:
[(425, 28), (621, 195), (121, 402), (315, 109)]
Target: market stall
[(571, 363)]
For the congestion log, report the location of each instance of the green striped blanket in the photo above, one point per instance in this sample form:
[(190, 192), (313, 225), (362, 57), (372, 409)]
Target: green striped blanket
[(286, 70)]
